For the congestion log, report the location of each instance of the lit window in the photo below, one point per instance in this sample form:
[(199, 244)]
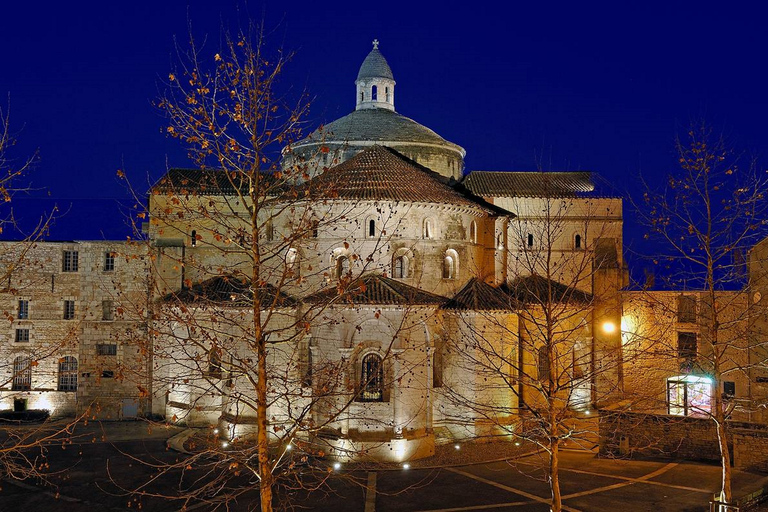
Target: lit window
[(23, 310), (69, 262), (69, 309), (109, 261), (106, 349), (372, 379), (107, 310), (22, 335), (22, 374), (689, 395), (449, 267), (342, 266), (428, 229), (291, 267), (68, 374), (473, 232)]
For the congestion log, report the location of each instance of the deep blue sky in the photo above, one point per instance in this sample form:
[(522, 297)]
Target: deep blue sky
[(577, 87)]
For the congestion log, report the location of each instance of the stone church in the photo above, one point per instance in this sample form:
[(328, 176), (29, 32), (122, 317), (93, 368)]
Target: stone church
[(407, 302)]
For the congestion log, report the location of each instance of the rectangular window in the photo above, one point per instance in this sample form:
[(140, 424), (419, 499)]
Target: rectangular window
[(106, 349), (686, 345), (729, 389), (23, 310), (69, 262), (109, 261), (530, 240), (107, 310), (686, 308), (22, 335), (69, 309)]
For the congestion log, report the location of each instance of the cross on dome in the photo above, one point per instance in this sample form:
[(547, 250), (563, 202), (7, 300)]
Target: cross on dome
[(375, 44)]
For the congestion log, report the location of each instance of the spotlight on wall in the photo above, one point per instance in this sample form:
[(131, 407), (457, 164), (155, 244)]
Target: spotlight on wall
[(609, 327), (406, 466), (458, 447), (337, 466)]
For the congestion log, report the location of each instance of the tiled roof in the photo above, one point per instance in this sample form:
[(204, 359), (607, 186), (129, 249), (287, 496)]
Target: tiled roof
[(477, 295), (375, 66), (376, 289), (536, 289), (379, 173), (206, 181), (376, 125), (230, 291), (529, 184)]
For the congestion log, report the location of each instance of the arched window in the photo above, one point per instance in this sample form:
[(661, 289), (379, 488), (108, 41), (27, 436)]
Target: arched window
[(291, 257), (372, 379), (386, 92), (450, 264), (428, 231), (342, 266), (530, 239), (68, 373), (371, 228), (362, 96), (22, 374), (577, 241), (400, 267), (374, 93), (194, 238), (473, 232)]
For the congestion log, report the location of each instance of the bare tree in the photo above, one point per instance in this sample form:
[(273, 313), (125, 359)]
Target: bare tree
[(708, 215), (534, 355)]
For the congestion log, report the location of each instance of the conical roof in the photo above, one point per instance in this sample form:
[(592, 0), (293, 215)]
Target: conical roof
[(375, 66)]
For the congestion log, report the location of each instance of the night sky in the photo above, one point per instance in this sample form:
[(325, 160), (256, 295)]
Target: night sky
[(519, 87)]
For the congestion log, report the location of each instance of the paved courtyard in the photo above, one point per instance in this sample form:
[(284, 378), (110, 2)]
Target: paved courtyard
[(588, 483)]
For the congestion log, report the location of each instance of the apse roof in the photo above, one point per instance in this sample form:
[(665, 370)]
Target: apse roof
[(375, 289), (230, 291), (537, 289), (380, 173), (529, 183)]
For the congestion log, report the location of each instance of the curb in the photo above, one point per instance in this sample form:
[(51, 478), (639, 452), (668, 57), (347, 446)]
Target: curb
[(177, 442)]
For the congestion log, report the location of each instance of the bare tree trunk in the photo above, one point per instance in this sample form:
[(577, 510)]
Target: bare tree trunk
[(554, 475), (725, 454)]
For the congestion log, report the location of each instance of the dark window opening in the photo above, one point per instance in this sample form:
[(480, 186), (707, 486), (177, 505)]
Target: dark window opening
[(686, 308), (374, 93), (109, 261), (530, 240), (68, 374), (729, 389), (372, 379), (686, 345), (106, 349), (22, 374), (22, 335), (371, 228), (23, 310), (193, 238), (577, 241), (70, 261), (401, 267), (69, 309)]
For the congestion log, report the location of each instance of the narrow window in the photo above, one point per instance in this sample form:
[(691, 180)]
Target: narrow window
[(109, 261), (362, 96), (23, 310), (543, 364), (374, 93), (108, 374), (372, 379), (315, 226), (306, 380), (371, 228), (686, 309), (473, 232), (270, 231), (106, 349), (291, 267), (427, 229), (342, 266), (214, 363), (386, 92), (193, 238), (68, 374), (69, 262), (530, 240), (449, 267), (69, 309), (22, 374), (107, 310), (437, 367), (401, 269), (686, 345), (22, 335), (577, 242)]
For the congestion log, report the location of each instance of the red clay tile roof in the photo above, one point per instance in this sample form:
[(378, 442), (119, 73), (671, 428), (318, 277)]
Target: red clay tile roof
[(229, 291), (379, 173), (477, 295), (537, 290), (529, 183), (376, 289)]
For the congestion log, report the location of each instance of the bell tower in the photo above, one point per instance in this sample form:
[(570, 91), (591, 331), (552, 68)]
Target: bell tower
[(375, 83)]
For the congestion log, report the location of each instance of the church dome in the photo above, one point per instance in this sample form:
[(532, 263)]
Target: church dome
[(375, 66)]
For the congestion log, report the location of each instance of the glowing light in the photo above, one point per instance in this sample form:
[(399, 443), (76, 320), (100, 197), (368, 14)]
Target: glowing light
[(215, 431), (224, 444), (517, 443), (288, 447), (337, 466), (586, 412), (609, 327), (458, 447), (406, 466)]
